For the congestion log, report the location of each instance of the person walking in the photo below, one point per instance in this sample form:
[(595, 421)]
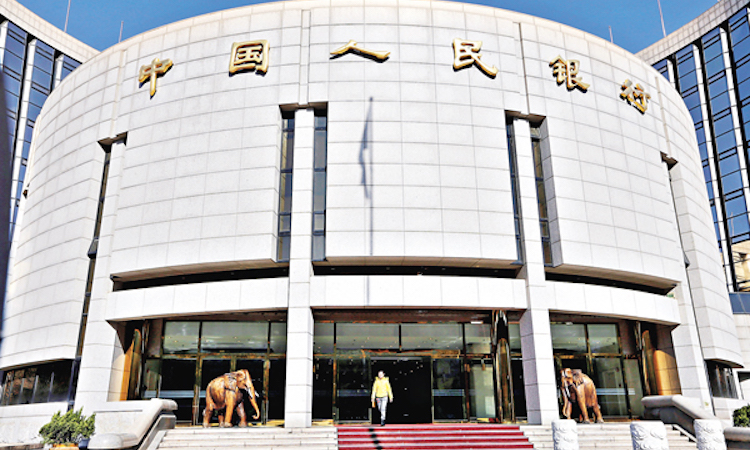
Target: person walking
[(381, 395)]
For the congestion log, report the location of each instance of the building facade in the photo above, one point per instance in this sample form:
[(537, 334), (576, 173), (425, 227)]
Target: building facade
[(467, 198), (706, 62)]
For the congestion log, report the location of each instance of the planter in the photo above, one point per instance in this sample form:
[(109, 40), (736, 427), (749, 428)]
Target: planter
[(66, 446)]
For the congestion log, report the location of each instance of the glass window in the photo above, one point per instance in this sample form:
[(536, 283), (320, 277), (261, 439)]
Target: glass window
[(721, 379), (730, 163), (233, 336), (568, 338), (731, 182), (477, 338), (278, 337), (736, 206), (448, 389), (514, 337), (356, 336), (443, 336), (181, 337), (603, 338), (323, 337)]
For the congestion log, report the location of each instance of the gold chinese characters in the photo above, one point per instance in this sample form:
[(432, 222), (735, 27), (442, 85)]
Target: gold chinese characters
[(250, 55), (354, 47), (152, 71), (567, 71), (635, 95), (466, 53)]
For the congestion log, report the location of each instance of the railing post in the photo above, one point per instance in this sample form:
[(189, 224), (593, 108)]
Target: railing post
[(710, 434), (649, 435), (565, 434)]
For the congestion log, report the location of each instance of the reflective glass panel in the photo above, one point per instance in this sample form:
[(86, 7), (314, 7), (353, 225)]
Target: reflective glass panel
[(514, 337), (352, 390), (323, 338), (448, 389), (603, 338), (355, 336), (570, 338), (438, 336), (178, 381), (477, 338), (278, 337), (181, 337), (481, 388), (234, 336), (635, 388), (610, 387)]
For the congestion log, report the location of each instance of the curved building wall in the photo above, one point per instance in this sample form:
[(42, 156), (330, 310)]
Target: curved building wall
[(418, 175)]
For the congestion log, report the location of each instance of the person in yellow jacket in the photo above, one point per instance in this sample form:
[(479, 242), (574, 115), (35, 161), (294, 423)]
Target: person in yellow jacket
[(381, 394)]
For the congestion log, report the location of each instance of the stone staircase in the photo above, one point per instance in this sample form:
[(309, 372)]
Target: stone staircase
[(432, 437), (609, 436), (256, 438)]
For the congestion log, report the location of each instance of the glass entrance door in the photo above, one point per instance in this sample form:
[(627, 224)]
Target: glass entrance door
[(410, 380)]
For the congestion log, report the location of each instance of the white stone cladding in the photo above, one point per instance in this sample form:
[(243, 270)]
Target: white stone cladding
[(194, 188)]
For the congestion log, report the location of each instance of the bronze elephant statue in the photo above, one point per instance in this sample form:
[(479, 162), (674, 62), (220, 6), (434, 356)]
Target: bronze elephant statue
[(578, 389), (226, 393)]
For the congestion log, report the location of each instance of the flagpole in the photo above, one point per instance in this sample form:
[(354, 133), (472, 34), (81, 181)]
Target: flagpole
[(663, 30), (122, 22), (67, 15)]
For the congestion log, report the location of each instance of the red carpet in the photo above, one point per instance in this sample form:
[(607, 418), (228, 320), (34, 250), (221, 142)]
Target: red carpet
[(432, 437)]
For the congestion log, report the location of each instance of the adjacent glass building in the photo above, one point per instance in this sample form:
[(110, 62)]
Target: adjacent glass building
[(707, 62)]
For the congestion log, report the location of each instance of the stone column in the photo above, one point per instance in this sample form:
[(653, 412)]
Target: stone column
[(649, 435), (536, 337), (299, 353), (710, 434), (565, 434)]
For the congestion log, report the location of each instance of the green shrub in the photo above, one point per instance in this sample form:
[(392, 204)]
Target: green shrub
[(741, 416), (68, 428)]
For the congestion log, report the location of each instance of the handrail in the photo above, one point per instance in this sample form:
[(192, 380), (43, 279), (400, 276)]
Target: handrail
[(153, 418), (679, 410)]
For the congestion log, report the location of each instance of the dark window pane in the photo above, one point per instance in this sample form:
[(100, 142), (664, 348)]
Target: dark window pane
[(319, 191), (285, 196), (318, 248), (319, 222), (448, 389), (320, 149)]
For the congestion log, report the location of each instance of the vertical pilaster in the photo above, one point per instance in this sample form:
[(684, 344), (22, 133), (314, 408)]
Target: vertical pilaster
[(299, 362), (100, 377), (536, 337)]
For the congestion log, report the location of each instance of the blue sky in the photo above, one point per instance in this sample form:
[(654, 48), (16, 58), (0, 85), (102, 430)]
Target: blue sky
[(635, 23)]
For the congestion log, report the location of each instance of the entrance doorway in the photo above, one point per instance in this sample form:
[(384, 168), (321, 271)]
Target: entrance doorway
[(410, 381)]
